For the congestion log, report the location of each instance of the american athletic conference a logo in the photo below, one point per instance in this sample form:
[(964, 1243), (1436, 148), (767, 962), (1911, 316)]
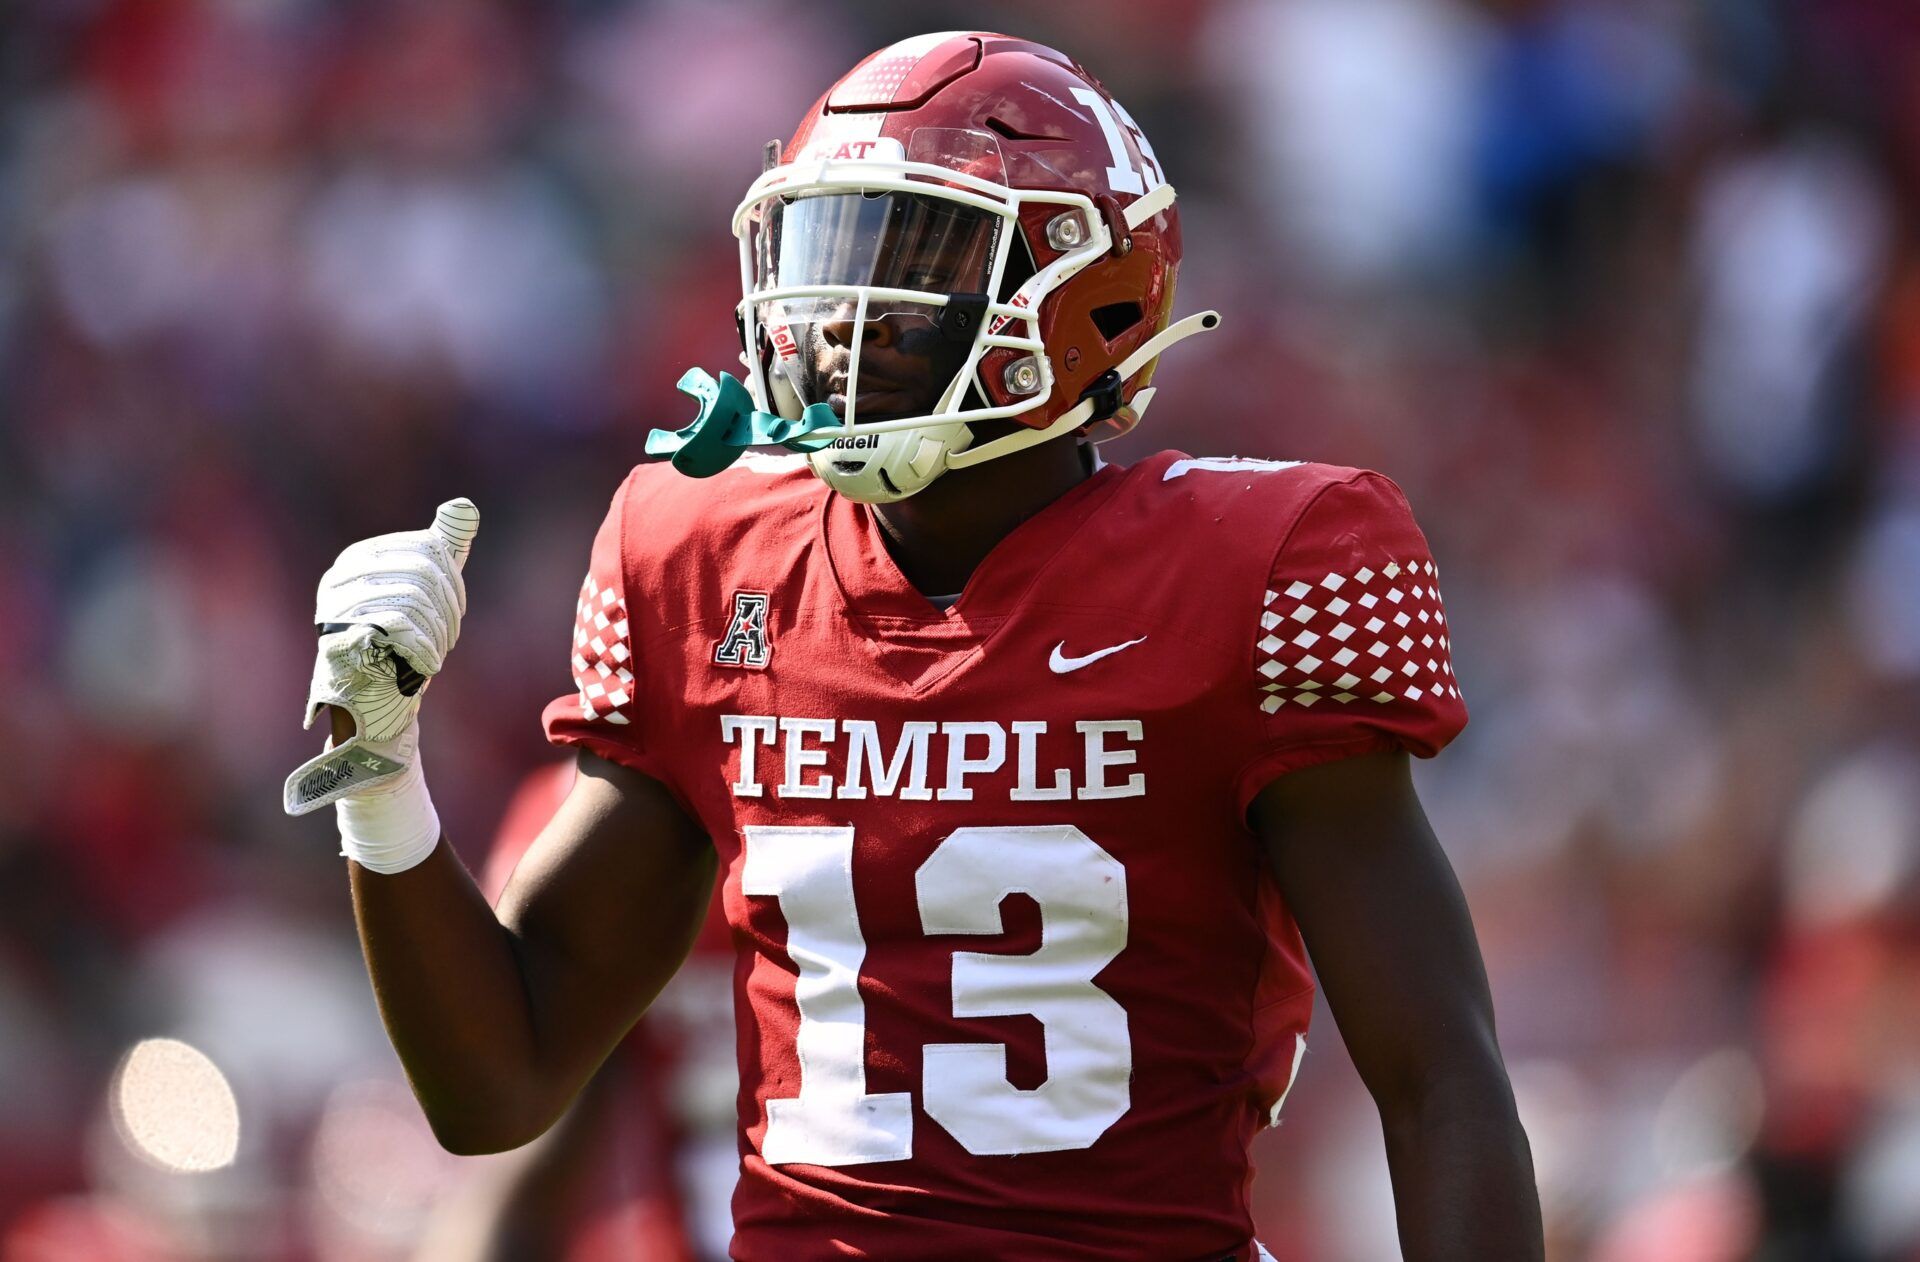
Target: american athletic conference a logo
[(745, 644)]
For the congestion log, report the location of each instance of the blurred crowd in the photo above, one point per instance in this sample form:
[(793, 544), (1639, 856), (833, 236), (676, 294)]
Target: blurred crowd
[(1625, 293)]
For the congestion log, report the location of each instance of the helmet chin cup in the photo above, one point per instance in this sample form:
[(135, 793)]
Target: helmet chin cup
[(886, 467)]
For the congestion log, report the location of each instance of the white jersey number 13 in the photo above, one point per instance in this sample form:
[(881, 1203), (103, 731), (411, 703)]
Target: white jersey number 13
[(1082, 894)]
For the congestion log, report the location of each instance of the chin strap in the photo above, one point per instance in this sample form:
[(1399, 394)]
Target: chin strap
[(1104, 392)]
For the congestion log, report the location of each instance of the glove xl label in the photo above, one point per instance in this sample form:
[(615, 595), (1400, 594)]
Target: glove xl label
[(335, 774), (388, 613)]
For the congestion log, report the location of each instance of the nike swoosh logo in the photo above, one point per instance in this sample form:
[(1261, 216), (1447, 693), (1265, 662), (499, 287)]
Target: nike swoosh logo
[(1061, 663)]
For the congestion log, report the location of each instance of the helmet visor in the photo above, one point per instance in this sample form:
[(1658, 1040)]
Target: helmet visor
[(843, 246), (896, 240)]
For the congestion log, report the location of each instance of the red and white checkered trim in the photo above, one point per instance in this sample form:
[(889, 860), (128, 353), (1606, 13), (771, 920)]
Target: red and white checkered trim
[(1376, 636), (600, 653)]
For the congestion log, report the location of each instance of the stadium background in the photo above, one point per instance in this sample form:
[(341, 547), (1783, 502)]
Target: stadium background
[(1625, 293)]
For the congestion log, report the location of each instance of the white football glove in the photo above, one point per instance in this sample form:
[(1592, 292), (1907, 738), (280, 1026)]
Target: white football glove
[(388, 612)]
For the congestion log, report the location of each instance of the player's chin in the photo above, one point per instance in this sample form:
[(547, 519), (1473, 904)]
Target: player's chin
[(879, 405)]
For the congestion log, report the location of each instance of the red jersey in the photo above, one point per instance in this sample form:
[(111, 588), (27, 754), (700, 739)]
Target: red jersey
[(1013, 980)]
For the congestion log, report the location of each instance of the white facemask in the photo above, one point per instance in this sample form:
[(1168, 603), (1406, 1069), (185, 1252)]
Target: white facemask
[(882, 468)]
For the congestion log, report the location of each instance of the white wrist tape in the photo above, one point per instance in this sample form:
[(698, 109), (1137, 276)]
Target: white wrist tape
[(391, 828)]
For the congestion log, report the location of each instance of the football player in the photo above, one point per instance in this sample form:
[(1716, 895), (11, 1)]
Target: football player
[(1030, 781)]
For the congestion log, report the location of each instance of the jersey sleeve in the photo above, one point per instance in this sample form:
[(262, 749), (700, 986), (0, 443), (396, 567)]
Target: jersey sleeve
[(1352, 653), (604, 713)]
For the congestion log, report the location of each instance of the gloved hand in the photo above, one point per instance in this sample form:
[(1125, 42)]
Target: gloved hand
[(388, 612)]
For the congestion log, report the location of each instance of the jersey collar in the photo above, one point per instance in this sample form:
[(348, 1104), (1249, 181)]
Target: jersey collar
[(871, 585)]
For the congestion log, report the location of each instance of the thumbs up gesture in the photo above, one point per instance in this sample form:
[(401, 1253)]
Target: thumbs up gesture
[(388, 612)]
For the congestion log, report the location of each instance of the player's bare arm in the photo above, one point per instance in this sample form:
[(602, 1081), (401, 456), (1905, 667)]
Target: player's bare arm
[(1388, 930), (542, 1186), (500, 1021)]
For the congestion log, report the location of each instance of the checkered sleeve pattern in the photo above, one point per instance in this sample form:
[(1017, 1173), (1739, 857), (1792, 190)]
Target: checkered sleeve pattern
[(1353, 650), (1369, 637), (602, 712), (601, 659)]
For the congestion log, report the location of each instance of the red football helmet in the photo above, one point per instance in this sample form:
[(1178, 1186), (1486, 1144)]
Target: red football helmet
[(974, 223)]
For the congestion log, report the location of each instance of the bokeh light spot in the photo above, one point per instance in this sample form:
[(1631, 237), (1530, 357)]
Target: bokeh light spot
[(173, 1107)]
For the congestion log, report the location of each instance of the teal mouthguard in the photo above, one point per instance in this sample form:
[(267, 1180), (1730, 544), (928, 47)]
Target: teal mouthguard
[(728, 424)]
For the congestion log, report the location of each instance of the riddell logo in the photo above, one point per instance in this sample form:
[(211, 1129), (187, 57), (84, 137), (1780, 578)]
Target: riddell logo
[(861, 442), (1021, 299), (783, 343)]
